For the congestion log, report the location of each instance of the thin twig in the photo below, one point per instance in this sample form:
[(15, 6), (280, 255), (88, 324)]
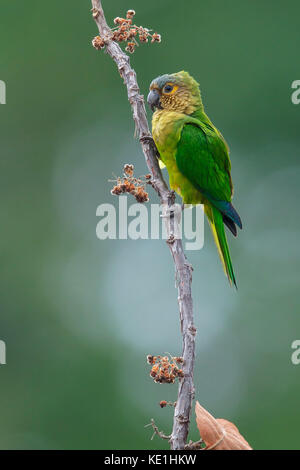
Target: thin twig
[(183, 269), (157, 431), (194, 445)]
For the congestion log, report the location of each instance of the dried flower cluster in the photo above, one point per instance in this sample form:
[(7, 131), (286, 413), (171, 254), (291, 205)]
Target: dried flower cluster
[(125, 31), (165, 370), (132, 185)]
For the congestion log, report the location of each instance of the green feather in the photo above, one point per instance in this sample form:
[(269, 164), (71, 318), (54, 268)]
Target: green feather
[(203, 158), (217, 228)]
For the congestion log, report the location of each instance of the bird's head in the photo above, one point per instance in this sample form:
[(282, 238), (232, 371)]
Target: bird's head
[(175, 92)]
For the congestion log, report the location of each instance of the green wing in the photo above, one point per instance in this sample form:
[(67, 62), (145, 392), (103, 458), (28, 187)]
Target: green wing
[(202, 156)]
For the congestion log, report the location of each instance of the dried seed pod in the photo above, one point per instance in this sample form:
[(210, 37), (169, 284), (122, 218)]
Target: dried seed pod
[(132, 32), (179, 360), (151, 359), (156, 38), (143, 38), (130, 14), (119, 20), (116, 190), (130, 47), (141, 195), (98, 43), (154, 371)]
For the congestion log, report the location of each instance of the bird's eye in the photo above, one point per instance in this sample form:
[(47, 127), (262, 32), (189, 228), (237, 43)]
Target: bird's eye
[(168, 88)]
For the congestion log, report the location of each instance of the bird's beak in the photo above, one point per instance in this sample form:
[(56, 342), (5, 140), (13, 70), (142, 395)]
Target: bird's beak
[(154, 100)]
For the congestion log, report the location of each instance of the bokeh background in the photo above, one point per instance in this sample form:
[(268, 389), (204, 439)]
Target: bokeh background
[(78, 314)]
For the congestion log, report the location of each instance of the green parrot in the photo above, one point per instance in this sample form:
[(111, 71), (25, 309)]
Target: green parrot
[(195, 154)]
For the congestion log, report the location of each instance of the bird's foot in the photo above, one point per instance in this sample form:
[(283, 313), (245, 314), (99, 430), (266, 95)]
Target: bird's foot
[(147, 138)]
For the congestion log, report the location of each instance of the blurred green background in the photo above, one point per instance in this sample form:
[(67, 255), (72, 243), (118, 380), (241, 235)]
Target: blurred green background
[(79, 315)]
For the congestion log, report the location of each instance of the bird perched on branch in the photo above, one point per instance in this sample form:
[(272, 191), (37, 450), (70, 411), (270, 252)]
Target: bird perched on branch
[(195, 154)]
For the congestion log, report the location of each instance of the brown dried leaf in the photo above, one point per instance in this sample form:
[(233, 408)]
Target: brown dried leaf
[(218, 434)]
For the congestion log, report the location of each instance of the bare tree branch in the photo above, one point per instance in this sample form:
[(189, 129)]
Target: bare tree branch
[(183, 269)]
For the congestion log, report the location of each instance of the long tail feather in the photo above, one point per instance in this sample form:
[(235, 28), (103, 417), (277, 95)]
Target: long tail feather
[(217, 227)]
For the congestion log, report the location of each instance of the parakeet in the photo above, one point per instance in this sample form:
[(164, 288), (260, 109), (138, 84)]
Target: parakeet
[(195, 154)]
